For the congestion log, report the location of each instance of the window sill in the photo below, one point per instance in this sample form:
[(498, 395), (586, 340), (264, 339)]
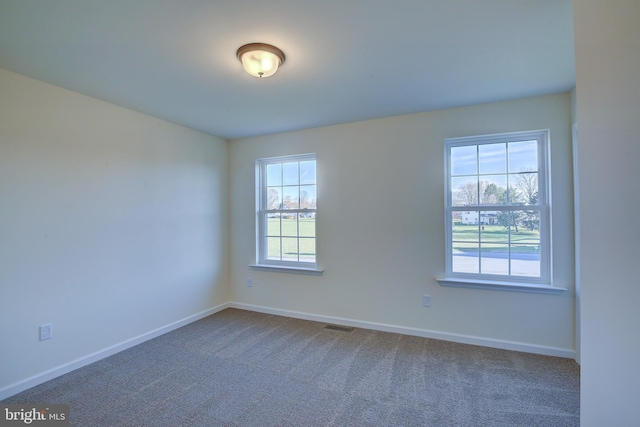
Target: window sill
[(287, 269), (499, 286)]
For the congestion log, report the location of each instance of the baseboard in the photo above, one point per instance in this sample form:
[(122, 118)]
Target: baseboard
[(425, 333), (33, 381)]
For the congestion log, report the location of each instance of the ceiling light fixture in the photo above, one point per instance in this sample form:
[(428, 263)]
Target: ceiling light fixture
[(259, 59)]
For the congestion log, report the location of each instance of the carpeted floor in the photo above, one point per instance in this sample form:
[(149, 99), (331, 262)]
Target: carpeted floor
[(240, 368)]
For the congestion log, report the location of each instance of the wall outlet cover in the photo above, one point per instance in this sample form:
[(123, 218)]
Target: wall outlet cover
[(46, 332), (426, 300)]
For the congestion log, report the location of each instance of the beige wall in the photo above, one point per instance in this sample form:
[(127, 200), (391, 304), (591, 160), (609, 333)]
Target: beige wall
[(115, 224), (112, 224), (607, 41), (380, 226)]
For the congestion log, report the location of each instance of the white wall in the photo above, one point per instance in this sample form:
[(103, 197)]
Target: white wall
[(112, 224), (607, 44), (380, 226)]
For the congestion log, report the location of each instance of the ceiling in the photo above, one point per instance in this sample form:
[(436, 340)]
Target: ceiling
[(346, 60)]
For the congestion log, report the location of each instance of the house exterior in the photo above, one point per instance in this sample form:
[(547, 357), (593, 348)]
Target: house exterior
[(486, 218)]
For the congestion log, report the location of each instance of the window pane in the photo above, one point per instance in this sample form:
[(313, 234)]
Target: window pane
[(525, 260), (464, 238), (289, 249), (507, 221), (456, 219), (466, 229), (464, 160), (307, 250), (308, 172), (307, 197), (290, 173), (525, 244), (494, 246), (274, 174), (273, 248), (273, 224), (493, 158), (464, 258), (495, 258), (530, 224), (523, 156), (493, 233), (464, 191), (525, 247), (290, 224), (290, 195), (493, 189), (274, 198), (307, 224), (524, 226)]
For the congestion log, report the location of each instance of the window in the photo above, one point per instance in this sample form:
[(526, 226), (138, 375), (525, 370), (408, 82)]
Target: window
[(497, 209), (287, 206)]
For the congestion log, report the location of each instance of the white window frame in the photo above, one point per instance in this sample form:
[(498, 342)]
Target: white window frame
[(262, 212), (507, 282)]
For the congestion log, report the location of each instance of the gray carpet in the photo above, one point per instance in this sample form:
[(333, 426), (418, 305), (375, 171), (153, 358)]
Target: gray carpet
[(240, 368)]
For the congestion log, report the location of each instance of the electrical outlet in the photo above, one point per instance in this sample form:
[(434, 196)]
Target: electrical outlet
[(249, 282), (426, 300), (46, 332)]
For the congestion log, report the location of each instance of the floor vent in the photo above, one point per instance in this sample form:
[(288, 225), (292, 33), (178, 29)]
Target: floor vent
[(339, 328)]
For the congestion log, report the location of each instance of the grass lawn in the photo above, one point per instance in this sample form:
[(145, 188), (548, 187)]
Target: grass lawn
[(494, 238)]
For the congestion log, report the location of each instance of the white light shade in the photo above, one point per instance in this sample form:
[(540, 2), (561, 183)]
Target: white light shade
[(259, 59)]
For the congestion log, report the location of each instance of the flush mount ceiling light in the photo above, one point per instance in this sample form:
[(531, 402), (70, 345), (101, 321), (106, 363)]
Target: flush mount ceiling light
[(259, 59)]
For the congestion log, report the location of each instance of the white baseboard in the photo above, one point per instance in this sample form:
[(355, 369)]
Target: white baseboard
[(33, 381), (425, 333)]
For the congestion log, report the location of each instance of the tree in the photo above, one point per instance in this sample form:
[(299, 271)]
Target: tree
[(528, 186), (509, 219), (273, 199), (468, 194), (304, 199), (289, 202), (531, 220), (492, 194)]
